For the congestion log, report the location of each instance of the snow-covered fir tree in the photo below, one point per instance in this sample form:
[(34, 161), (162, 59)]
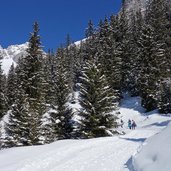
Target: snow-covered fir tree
[(89, 47), (62, 118), (56, 122), (35, 85), (161, 23), (17, 128), (3, 100), (153, 53), (96, 99), (109, 53), (123, 37), (30, 103), (115, 74), (11, 86), (164, 101), (71, 64)]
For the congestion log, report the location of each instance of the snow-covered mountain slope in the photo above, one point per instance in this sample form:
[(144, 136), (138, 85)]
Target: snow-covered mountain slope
[(11, 55), (100, 154)]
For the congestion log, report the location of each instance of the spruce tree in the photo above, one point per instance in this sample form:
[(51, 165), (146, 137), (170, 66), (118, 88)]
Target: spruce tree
[(116, 54), (89, 47), (71, 63), (164, 101), (29, 105), (11, 86), (161, 22), (49, 68), (36, 83), (108, 52), (154, 56), (96, 99), (62, 118), (3, 101), (105, 47), (17, 128), (48, 131), (149, 74), (123, 37)]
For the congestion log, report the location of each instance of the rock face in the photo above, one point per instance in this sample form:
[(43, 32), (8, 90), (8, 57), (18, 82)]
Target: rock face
[(11, 55)]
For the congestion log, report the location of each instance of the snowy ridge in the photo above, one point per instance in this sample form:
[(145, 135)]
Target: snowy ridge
[(11, 55), (101, 154)]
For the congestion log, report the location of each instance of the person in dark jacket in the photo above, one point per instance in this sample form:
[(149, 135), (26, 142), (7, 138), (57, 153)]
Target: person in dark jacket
[(133, 124), (122, 123)]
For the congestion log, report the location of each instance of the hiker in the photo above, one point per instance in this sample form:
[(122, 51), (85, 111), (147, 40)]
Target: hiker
[(122, 123), (129, 124), (133, 124)]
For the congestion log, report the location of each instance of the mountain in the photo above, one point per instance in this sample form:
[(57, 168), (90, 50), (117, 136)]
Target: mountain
[(11, 55)]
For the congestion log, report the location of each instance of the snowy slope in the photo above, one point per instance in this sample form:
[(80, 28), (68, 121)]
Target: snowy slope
[(11, 55), (100, 154), (156, 153)]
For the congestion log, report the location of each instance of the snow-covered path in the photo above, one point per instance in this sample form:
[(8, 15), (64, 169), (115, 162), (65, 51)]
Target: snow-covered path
[(101, 154)]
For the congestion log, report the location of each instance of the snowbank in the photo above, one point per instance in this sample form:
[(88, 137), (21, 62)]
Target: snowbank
[(156, 153)]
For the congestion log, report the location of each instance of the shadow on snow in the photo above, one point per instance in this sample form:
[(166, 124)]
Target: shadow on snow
[(164, 123), (132, 103), (134, 139), (129, 164)]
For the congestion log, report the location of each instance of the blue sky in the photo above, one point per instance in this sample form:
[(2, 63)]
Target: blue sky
[(56, 18)]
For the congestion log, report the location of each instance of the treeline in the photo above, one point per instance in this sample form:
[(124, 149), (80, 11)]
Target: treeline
[(125, 53)]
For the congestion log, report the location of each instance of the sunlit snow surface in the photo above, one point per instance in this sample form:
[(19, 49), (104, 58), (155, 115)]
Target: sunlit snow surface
[(11, 55), (155, 154), (100, 154)]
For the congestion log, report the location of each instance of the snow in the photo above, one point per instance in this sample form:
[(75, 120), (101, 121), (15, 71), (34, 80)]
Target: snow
[(3, 122), (76, 107), (78, 43), (6, 64), (99, 154), (155, 153), (11, 55)]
